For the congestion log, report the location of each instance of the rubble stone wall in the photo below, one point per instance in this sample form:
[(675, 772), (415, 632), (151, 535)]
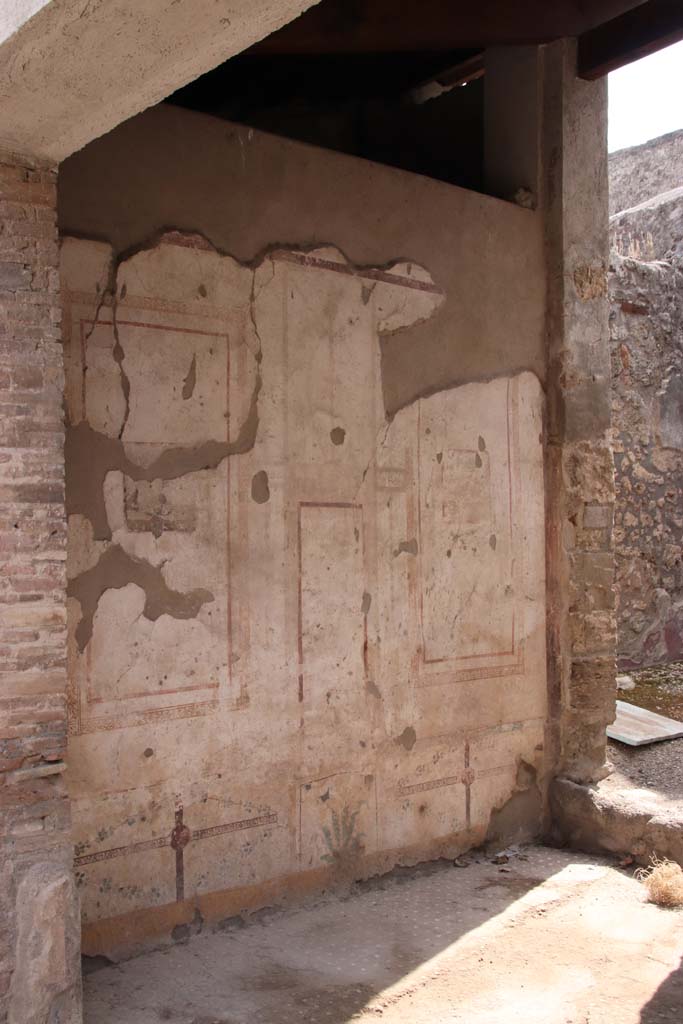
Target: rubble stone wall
[(641, 172), (646, 328), (646, 323)]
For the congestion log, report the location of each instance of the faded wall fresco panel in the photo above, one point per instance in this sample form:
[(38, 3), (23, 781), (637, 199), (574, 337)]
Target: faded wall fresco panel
[(467, 463), (331, 639), (152, 372), (294, 625)]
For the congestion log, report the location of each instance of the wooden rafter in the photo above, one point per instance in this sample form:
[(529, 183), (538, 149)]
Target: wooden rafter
[(633, 35)]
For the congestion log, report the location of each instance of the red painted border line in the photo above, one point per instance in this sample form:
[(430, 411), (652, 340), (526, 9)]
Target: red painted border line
[(468, 779), (121, 851), (108, 723), (147, 693), (162, 841), (500, 769), (234, 826), (424, 787), (470, 674), (157, 327), (317, 263), (329, 504)]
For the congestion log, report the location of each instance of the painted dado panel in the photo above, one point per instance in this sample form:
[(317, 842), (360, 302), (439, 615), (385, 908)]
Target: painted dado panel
[(303, 638)]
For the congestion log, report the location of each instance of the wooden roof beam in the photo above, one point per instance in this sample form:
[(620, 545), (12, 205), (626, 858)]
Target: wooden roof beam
[(635, 34)]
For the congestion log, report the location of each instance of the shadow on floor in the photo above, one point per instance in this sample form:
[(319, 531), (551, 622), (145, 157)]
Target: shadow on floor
[(276, 970), (666, 1005)]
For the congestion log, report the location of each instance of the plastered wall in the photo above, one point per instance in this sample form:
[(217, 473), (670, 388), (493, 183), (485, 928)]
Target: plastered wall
[(247, 191), (306, 639)]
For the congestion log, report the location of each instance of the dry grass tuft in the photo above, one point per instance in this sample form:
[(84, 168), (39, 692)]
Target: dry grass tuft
[(663, 880)]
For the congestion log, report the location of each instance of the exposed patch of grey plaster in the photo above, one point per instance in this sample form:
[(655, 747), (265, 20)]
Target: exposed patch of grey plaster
[(517, 817), (408, 547), (190, 379), (366, 292), (372, 689), (91, 455), (118, 354), (114, 570), (407, 739), (260, 491)]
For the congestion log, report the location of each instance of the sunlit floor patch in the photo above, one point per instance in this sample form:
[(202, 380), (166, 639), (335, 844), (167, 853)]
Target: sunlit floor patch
[(556, 938)]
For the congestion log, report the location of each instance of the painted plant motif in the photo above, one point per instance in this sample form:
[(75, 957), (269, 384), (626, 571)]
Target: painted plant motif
[(341, 839)]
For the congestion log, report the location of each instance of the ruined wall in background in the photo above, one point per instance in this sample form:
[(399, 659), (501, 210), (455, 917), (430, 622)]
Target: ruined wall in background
[(640, 172), (305, 639), (653, 230), (646, 327), (647, 415)]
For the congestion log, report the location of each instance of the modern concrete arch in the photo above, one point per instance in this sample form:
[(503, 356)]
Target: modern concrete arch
[(71, 70)]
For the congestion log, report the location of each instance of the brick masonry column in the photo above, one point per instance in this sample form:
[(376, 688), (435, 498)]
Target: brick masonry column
[(579, 466), (40, 933)]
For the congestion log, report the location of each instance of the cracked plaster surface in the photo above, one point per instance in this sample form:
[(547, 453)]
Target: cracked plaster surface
[(237, 502)]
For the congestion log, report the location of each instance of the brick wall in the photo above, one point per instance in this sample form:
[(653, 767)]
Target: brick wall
[(39, 939)]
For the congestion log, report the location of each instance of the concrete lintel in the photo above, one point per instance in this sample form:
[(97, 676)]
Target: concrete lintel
[(71, 70)]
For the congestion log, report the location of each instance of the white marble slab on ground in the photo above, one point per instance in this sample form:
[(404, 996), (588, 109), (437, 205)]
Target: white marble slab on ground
[(637, 727)]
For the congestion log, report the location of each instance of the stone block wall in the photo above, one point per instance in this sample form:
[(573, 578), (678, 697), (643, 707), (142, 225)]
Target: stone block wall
[(39, 938)]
